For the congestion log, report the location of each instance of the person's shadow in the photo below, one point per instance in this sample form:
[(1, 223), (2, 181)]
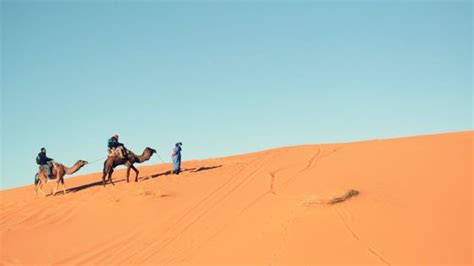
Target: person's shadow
[(192, 170), (205, 168)]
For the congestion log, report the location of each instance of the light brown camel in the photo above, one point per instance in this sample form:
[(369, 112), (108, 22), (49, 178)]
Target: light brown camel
[(58, 172), (113, 161)]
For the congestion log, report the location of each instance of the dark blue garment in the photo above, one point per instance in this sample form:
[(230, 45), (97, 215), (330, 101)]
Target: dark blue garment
[(177, 159), (42, 159), (113, 143)]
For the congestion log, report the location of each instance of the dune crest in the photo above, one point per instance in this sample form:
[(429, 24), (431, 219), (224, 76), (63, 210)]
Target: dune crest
[(406, 200)]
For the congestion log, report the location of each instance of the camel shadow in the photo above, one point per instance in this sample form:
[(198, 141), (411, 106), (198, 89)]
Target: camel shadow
[(86, 186), (99, 183)]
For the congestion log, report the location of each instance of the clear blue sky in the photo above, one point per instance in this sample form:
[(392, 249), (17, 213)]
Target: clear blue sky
[(226, 78)]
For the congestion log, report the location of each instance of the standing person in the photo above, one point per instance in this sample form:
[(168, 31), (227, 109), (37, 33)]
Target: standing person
[(176, 156), (44, 162)]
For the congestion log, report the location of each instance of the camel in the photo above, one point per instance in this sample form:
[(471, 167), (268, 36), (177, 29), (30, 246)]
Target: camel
[(58, 172), (113, 161)]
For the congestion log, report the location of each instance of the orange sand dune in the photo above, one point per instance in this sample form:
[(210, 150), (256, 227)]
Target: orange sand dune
[(270, 207)]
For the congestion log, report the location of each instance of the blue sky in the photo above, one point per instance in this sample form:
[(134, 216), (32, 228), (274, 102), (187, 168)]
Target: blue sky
[(226, 78)]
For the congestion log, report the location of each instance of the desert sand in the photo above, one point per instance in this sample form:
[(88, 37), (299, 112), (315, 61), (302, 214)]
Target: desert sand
[(415, 205)]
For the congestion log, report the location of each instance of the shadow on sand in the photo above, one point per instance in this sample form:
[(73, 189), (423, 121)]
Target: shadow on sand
[(206, 168), (86, 186), (99, 183), (191, 170)]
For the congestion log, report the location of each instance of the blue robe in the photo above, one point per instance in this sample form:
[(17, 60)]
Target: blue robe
[(177, 159)]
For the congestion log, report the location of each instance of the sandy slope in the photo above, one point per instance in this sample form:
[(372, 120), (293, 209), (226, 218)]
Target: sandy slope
[(415, 206)]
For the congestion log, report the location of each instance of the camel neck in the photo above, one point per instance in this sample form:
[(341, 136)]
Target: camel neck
[(144, 157), (71, 170)]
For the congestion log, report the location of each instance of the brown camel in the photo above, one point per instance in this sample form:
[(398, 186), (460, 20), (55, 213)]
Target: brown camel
[(112, 161), (58, 172)]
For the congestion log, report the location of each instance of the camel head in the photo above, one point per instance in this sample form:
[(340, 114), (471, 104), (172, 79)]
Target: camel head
[(150, 150), (81, 163)]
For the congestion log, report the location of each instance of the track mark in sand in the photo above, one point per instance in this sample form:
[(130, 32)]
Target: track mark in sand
[(351, 230), (271, 190), (313, 162), (347, 225), (286, 225), (237, 187), (253, 202), (248, 206), (371, 250), (310, 162), (241, 185), (199, 210), (272, 183)]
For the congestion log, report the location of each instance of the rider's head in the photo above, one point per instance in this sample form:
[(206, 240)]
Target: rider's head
[(116, 136), (43, 150)]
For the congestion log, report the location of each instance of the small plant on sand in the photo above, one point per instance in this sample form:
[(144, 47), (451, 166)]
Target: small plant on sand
[(349, 194)]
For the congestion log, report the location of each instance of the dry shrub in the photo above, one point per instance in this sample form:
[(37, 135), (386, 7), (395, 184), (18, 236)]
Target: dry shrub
[(349, 194)]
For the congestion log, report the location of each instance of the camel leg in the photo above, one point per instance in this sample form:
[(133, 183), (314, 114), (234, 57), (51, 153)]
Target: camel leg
[(136, 172), (36, 188), (56, 188), (103, 178), (110, 176), (58, 179), (128, 173), (41, 190), (36, 183), (41, 182), (64, 187)]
